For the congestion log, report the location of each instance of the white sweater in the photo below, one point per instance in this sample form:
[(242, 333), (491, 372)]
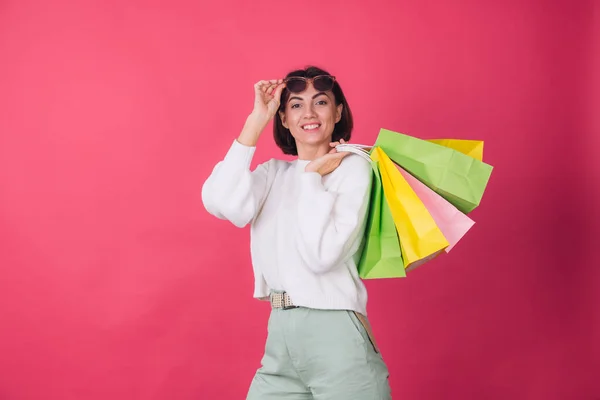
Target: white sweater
[(306, 230)]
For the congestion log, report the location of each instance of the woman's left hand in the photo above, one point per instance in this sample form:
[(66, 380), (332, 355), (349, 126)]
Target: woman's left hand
[(329, 162)]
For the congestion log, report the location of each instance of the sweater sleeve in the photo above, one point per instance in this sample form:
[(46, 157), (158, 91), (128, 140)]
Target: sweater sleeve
[(233, 192), (331, 223)]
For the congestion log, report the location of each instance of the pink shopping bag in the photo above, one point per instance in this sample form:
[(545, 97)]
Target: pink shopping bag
[(453, 223)]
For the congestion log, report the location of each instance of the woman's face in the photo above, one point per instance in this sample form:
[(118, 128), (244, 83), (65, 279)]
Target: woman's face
[(311, 116)]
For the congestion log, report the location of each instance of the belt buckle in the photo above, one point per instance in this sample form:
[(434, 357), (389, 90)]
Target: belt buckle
[(278, 300), (287, 307)]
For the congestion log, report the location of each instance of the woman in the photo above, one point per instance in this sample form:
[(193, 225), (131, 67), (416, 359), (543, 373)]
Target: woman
[(307, 221)]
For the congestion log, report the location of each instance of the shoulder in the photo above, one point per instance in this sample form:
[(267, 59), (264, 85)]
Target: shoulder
[(273, 166), (355, 166), (354, 171), (276, 164)]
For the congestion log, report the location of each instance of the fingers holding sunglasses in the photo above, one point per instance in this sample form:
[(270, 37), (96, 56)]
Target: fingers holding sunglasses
[(265, 84), (268, 86), (258, 85), (275, 99), (278, 90), (278, 87), (271, 88), (268, 89), (267, 99)]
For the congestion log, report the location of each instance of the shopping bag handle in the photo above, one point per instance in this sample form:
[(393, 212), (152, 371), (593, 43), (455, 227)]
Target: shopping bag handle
[(356, 149), (360, 146)]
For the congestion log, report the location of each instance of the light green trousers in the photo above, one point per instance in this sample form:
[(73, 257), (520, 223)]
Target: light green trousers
[(319, 355)]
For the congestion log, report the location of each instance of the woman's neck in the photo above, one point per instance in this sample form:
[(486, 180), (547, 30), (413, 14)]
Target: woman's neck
[(313, 152)]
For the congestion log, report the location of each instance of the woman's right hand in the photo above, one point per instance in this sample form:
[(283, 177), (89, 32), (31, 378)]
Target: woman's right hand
[(267, 96)]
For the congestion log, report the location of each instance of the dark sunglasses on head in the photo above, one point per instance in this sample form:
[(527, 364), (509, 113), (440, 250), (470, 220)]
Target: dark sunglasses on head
[(297, 84)]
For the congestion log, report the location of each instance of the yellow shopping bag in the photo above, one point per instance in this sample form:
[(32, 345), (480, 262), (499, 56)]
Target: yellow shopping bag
[(420, 238), (472, 148)]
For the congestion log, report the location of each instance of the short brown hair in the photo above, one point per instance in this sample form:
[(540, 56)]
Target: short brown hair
[(342, 130)]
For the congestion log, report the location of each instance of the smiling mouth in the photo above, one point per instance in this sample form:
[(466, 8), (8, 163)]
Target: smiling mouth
[(310, 127)]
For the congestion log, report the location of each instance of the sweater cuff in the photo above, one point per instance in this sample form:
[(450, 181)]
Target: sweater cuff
[(240, 153)]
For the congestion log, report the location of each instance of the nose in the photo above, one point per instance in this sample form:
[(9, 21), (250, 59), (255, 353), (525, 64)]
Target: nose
[(309, 111)]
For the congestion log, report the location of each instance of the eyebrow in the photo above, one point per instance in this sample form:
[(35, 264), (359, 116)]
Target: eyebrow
[(314, 97)]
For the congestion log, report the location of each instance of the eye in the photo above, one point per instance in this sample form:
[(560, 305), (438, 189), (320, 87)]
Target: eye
[(295, 105), (322, 102)]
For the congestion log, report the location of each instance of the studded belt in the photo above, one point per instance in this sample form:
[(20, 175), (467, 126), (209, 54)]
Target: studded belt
[(281, 300)]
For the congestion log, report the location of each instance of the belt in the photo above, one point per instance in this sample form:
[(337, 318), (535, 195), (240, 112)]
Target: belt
[(282, 300)]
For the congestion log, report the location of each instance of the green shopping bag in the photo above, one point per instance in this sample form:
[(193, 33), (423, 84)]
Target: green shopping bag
[(455, 176), (381, 255)]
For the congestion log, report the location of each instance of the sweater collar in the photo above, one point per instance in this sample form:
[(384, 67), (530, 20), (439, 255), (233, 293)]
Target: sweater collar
[(301, 164)]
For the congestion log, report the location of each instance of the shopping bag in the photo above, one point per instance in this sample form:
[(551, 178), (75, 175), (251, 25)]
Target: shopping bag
[(420, 237), (453, 223), (456, 177), (471, 148), (381, 256)]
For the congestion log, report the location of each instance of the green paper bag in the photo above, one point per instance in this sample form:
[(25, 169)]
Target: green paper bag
[(381, 255), (455, 176)]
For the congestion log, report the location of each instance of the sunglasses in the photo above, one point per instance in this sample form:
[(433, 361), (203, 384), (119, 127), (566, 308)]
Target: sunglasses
[(297, 84)]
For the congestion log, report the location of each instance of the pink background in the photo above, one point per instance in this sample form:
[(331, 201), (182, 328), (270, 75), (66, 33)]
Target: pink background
[(116, 283)]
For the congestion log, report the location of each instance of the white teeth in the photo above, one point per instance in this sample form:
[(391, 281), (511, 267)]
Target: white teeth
[(313, 126)]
